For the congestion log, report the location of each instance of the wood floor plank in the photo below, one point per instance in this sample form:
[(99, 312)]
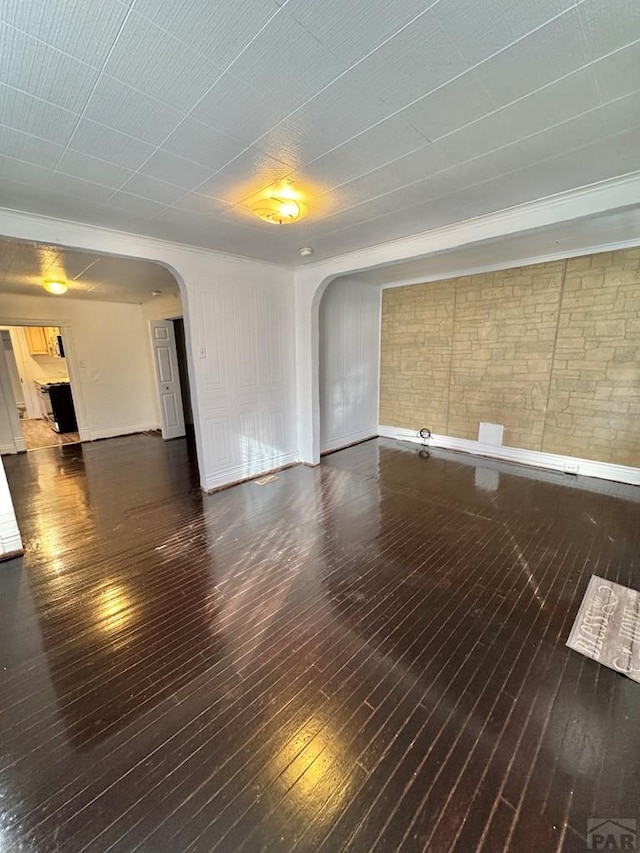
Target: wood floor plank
[(365, 656)]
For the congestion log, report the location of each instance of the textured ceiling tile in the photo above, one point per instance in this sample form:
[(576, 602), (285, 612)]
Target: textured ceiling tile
[(202, 144), (89, 276), (36, 69), (344, 109), (18, 170), (91, 169), (131, 214), (564, 99), (32, 115), (227, 237), (381, 144), (128, 111), (135, 205), (458, 103), (200, 204), (246, 175), (622, 114), (412, 64), (219, 30), (22, 146), (75, 264), (474, 171), (574, 133), (387, 141), (287, 62), (542, 109), (159, 65), (330, 170), (596, 162), (420, 164), (361, 189), (342, 137), (110, 145), (82, 28), (351, 30), (78, 188), (150, 188), (549, 53), (175, 170), (482, 29), (618, 74), (239, 110), (610, 24), (19, 196)]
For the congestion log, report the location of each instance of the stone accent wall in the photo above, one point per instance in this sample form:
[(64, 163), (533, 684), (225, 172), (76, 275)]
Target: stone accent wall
[(551, 351), (415, 358), (594, 397)]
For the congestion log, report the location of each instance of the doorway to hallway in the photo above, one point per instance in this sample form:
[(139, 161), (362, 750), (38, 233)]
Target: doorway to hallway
[(37, 387)]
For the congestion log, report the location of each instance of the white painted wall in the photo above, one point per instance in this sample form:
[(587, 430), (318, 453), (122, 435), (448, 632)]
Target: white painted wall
[(7, 441), (239, 320), (12, 366), (312, 279), (112, 385), (164, 307), (10, 541), (349, 363)]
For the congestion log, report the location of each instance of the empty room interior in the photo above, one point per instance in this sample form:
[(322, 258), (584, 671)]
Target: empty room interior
[(320, 426)]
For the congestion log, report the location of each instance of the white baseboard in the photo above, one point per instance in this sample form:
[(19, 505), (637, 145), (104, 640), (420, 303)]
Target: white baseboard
[(536, 458), (114, 432), (249, 470), (8, 448), (341, 441)]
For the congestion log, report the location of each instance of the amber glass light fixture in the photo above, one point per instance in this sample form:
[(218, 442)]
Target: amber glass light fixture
[(279, 205), (57, 287)]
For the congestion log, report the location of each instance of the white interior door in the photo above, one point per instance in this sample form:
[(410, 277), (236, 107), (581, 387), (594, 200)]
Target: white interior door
[(165, 360)]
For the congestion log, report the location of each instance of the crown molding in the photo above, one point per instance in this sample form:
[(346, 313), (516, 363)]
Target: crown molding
[(36, 228), (574, 204)]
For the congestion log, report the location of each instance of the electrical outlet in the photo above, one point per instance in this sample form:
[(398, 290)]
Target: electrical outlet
[(570, 468), (203, 352)]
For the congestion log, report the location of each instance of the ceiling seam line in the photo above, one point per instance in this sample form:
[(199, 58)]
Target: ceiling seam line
[(488, 180), (445, 136)]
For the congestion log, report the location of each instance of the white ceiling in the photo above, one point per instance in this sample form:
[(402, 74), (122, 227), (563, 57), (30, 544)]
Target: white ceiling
[(566, 239), (25, 266), (396, 116)]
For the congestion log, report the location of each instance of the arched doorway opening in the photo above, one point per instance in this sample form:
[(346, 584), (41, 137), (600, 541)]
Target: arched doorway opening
[(349, 359), (114, 345)]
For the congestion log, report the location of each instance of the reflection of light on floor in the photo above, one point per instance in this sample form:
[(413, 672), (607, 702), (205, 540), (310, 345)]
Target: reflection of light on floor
[(310, 768), (49, 540), (580, 742), (113, 609)]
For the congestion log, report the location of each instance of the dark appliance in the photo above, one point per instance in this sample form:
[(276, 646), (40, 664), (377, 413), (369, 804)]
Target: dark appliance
[(58, 346), (58, 404)]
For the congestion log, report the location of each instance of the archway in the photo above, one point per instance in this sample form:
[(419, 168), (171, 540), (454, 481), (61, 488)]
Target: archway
[(348, 363), (106, 364)]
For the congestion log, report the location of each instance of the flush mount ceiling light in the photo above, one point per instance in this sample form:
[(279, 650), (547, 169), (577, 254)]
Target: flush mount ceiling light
[(57, 287), (156, 292), (279, 211), (279, 204)]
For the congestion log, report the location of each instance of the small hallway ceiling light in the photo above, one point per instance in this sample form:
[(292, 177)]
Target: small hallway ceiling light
[(156, 292), (279, 204), (57, 287), (305, 251)]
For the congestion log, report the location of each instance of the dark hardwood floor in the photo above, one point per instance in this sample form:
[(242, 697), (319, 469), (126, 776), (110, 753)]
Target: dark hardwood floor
[(365, 656)]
